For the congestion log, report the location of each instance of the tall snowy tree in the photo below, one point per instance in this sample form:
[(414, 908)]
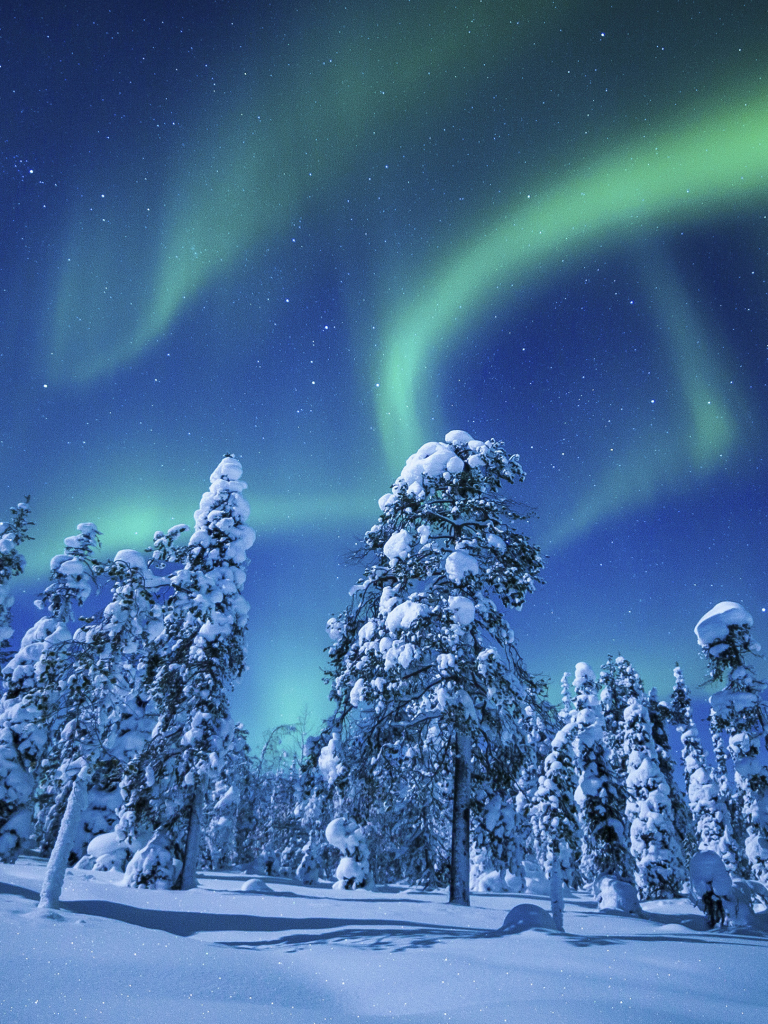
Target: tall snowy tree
[(654, 842), (15, 781), (12, 535), (423, 662), (660, 714), (613, 700), (710, 813), (725, 638), (598, 796), (104, 700), (33, 679), (553, 812), (196, 659)]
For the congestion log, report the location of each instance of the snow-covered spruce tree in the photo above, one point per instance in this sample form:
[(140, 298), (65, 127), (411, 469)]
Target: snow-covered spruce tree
[(724, 636), (130, 734), (598, 797), (654, 842), (613, 700), (554, 816), (105, 705), (196, 659), (12, 535), (314, 810), (659, 714), (32, 699), (223, 803), (15, 780), (538, 737), (423, 661), (710, 813)]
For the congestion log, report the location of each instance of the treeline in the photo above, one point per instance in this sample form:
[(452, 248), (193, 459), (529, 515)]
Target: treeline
[(442, 762)]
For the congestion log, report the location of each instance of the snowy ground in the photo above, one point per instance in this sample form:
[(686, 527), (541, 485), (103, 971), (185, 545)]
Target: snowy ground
[(312, 955)]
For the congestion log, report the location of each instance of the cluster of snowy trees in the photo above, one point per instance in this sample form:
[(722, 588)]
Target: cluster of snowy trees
[(443, 761), (120, 725)]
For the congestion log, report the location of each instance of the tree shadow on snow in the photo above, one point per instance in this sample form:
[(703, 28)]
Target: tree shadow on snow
[(302, 930), (16, 890)]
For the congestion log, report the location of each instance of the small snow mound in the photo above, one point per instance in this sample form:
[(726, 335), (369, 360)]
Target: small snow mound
[(131, 558), (618, 895), (255, 885), (525, 917), (460, 564), (714, 625), (458, 437)]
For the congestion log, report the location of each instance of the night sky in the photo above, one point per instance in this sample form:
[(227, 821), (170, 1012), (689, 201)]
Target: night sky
[(317, 235)]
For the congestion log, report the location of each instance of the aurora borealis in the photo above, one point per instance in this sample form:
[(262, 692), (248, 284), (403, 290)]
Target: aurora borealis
[(317, 237)]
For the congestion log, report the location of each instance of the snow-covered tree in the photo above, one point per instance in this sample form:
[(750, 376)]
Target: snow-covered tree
[(33, 688), (654, 842), (659, 713), (724, 636), (196, 659), (105, 705), (613, 700), (598, 797), (16, 783), (554, 815), (12, 534), (710, 813), (423, 663), (224, 803)]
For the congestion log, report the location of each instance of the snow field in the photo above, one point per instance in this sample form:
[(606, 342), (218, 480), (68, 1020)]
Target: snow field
[(312, 955)]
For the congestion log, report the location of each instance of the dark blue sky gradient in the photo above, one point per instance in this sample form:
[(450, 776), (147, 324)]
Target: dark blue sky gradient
[(317, 238)]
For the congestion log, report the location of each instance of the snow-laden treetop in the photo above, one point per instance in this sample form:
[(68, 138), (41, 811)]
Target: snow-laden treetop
[(713, 627), (438, 461), (221, 519)]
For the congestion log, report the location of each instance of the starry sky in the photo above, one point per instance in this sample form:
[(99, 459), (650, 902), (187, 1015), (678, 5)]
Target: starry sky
[(319, 235)]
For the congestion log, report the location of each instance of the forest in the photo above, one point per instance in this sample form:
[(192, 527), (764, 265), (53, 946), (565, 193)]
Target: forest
[(443, 763)]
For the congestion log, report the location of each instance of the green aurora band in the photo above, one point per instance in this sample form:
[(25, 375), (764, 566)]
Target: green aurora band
[(706, 167)]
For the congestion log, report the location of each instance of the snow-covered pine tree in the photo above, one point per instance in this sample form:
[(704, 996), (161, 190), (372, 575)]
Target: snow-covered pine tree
[(613, 700), (554, 816), (654, 842), (12, 535), (129, 735), (224, 803), (566, 699), (423, 657), (710, 813), (598, 797), (199, 654), (105, 705), (724, 636), (33, 678), (15, 781), (659, 714)]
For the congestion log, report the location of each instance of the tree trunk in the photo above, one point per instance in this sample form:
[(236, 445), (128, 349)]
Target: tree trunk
[(462, 792), (556, 902), (65, 841), (192, 849)]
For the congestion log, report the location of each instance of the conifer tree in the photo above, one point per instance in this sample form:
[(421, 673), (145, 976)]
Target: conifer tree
[(554, 815), (724, 636), (598, 797), (12, 535), (423, 662), (105, 705), (196, 659), (659, 713), (33, 678), (655, 845), (711, 815), (613, 700)]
